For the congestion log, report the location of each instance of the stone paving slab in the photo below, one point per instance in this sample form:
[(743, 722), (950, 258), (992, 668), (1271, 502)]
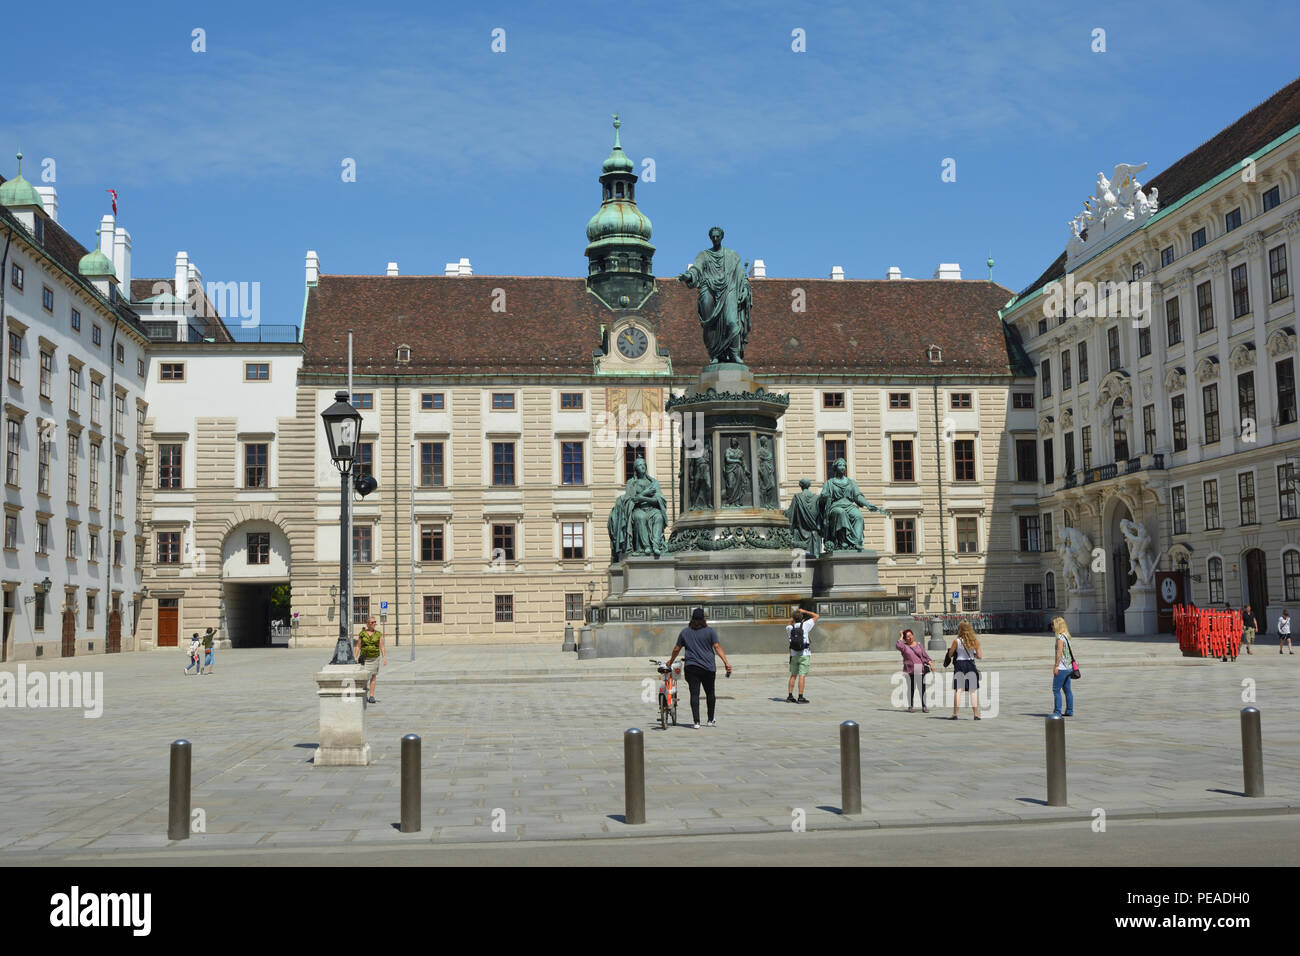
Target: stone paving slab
[(1156, 734)]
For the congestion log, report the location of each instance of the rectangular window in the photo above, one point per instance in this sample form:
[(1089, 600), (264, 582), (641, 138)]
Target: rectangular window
[(1069, 453), (47, 299), (1042, 326), (1286, 412), (361, 609), (963, 459), (1173, 323), (1047, 531), (96, 336), (170, 473), (1210, 492), (1166, 256), (1149, 429), (571, 401), (1138, 271), (171, 371), (1286, 492), (42, 537), (1112, 347), (15, 358), (503, 463), (1045, 373), (1029, 529), (832, 399), (1179, 416), (96, 456), (1215, 578), (572, 542), (431, 473), (433, 609), (74, 447), (631, 452), (93, 541), (257, 468), (431, 543), (1232, 220), (503, 542), (572, 464), (1246, 496), (169, 547), (365, 463), (1033, 596), (96, 401), (42, 466), (970, 597), (1291, 574), (259, 547), (74, 391), (119, 414), (13, 448), (47, 375), (904, 469), (1279, 286), (1205, 306), (1026, 459), (1049, 461), (1198, 238), (1210, 408), (1240, 292), (1085, 436), (76, 321), (72, 542), (1083, 362), (961, 400), (1022, 399), (900, 399), (1144, 341), (1246, 401), (1065, 371), (1049, 590), (503, 401), (257, 371), (1179, 505), (119, 463), (505, 608), (905, 536), (574, 609), (1272, 198), (16, 276), (968, 538), (121, 353), (363, 401), (139, 367), (38, 614), (834, 449), (362, 543), (11, 532), (432, 402)]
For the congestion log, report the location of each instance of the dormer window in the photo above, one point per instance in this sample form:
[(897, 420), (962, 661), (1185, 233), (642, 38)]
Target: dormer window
[(403, 354), (934, 354)]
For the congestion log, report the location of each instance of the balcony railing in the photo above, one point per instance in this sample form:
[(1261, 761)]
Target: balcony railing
[(1113, 470), (175, 332)]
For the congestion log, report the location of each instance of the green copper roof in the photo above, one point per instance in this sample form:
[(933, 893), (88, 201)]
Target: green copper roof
[(618, 161), (96, 265), (18, 191)]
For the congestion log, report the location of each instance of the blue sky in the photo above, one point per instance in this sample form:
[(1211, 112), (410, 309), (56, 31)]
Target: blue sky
[(826, 157)]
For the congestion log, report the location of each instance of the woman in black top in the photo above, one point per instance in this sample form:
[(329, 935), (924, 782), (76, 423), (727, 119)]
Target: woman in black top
[(701, 643)]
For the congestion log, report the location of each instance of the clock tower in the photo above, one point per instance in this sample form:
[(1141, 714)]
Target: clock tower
[(619, 255)]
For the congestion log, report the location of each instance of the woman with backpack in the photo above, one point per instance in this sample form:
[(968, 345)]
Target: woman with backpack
[(1062, 670), (796, 633), (963, 654)]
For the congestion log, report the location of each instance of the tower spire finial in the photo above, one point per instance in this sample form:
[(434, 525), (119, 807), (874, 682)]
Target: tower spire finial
[(617, 124), (20, 161)]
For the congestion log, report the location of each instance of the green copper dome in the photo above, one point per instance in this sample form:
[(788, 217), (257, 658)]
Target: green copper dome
[(620, 258), (96, 265), (619, 218), (18, 191)]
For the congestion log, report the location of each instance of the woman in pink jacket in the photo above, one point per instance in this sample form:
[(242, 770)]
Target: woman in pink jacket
[(915, 660)]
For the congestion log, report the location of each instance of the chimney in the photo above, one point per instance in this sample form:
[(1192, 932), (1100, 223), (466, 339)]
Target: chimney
[(122, 259), (464, 269), (313, 267), (50, 200), (107, 226), (182, 277), (837, 272), (893, 272), (392, 269), (451, 269), (758, 270), (948, 270)]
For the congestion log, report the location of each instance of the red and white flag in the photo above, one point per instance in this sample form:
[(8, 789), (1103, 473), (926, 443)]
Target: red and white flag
[(114, 194)]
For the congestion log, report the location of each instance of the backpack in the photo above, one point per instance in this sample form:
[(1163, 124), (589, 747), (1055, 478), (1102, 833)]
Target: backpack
[(798, 639)]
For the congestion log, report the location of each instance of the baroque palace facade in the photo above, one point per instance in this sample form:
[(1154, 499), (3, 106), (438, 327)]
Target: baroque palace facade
[(1164, 338)]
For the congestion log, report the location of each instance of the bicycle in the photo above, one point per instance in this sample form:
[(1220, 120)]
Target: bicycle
[(667, 696)]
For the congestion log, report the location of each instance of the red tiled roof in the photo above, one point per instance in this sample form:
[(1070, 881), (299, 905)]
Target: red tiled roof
[(552, 325)]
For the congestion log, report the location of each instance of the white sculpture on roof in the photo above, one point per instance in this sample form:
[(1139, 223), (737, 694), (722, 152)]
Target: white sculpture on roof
[(1118, 198)]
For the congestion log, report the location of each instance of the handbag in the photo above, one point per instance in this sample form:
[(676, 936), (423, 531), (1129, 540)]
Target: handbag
[(1074, 665), (947, 658)]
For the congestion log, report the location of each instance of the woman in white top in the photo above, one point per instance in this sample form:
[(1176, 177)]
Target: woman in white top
[(965, 651), (1062, 670)]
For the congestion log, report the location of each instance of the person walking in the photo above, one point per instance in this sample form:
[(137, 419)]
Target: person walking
[(209, 637), (797, 636), (965, 651), (916, 664), (1062, 670), (1284, 631), (701, 644), (1248, 628), (369, 647), (196, 661)]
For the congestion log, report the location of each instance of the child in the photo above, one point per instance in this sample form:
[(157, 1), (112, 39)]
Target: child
[(195, 644)]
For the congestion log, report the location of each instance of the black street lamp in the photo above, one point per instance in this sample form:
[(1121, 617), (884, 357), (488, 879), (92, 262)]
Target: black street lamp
[(342, 425)]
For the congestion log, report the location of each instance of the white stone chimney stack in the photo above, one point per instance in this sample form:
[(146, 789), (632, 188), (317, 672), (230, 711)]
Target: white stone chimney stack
[(313, 267), (50, 200), (182, 277), (948, 270), (392, 269), (894, 273), (837, 272), (758, 270), (107, 226), (122, 259)]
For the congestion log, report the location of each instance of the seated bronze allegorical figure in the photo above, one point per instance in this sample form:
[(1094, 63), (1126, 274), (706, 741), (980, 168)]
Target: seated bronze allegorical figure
[(639, 517), (841, 511)]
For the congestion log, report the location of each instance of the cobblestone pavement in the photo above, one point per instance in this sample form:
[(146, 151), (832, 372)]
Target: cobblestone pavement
[(526, 744)]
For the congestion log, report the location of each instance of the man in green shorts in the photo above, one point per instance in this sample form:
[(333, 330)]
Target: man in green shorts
[(797, 634), (369, 647)]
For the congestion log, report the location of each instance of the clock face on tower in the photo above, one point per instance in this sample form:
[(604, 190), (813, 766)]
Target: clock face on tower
[(632, 342)]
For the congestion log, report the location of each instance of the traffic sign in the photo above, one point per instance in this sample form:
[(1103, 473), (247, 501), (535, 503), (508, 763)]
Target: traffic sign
[(383, 605), (955, 596)]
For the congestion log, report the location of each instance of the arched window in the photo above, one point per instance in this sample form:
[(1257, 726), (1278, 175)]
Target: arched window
[(607, 190), (1121, 433), (1291, 574), (618, 190), (1067, 518), (1049, 590), (1215, 568)]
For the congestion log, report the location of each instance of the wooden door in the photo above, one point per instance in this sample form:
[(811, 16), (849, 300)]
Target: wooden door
[(70, 633), (168, 621), (1257, 587), (114, 633)]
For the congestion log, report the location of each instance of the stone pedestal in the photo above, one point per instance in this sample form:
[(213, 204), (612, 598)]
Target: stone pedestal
[(342, 692), (848, 575), (1081, 614), (587, 644), (1141, 616)]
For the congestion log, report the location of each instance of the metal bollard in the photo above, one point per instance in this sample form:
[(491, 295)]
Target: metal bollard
[(936, 642), (411, 783), (178, 800), (1055, 761), (634, 776), (850, 769), (1252, 752), (569, 643)]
